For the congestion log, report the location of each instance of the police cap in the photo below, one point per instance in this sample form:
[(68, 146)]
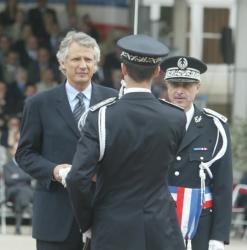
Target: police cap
[(183, 69), (142, 50)]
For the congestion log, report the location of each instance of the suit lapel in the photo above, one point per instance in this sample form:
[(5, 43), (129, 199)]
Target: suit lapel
[(96, 95), (193, 131), (64, 109)]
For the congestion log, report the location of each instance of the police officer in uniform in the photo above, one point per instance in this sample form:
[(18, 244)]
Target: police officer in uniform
[(129, 144), (200, 178)]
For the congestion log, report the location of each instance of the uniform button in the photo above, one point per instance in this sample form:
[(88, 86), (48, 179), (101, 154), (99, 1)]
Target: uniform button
[(176, 173), (179, 158), (201, 158)]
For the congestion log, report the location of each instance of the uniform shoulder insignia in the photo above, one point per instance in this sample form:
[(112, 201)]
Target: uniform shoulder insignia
[(171, 104), (105, 102), (216, 114)]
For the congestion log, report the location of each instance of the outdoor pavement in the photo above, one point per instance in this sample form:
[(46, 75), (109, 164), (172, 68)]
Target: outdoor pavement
[(10, 241)]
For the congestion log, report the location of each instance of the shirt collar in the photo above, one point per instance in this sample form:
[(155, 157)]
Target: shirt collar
[(189, 115), (132, 90), (72, 92)]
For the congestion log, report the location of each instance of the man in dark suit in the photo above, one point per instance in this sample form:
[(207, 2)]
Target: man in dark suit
[(49, 134), (129, 144), (200, 178), (18, 188)]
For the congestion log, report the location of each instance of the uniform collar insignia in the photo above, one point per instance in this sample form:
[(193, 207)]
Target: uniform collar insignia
[(198, 118)]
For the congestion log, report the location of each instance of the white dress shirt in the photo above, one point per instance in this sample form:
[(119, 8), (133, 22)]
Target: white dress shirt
[(132, 90), (72, 93), (189, 115)]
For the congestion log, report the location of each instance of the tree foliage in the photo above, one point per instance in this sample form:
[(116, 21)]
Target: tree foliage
[(239, 144)]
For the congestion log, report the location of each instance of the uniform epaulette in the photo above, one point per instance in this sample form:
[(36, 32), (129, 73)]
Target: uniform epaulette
[(171, 104), (216, 114), (105, 102)]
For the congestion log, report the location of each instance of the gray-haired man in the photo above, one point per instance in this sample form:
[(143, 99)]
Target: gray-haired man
[(48, 140)]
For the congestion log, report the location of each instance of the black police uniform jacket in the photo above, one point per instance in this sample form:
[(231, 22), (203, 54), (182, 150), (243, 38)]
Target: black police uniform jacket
[(132, 207), (49, 135), (202, 133)]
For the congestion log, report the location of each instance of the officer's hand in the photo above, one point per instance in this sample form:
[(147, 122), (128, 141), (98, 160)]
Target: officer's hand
[(216, 245), (59, 168)]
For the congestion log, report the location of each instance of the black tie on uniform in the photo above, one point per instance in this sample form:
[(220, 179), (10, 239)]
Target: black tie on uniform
[(79, 107)]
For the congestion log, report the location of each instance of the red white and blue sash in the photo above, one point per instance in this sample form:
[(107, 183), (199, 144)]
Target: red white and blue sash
[(189, 208)]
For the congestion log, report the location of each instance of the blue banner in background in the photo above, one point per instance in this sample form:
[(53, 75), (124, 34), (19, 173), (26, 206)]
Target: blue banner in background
[(118, 3)]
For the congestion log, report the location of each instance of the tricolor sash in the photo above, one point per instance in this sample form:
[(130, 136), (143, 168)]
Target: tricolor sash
[(189, 208)]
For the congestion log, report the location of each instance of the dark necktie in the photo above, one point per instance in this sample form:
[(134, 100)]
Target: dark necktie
[(79, 107)]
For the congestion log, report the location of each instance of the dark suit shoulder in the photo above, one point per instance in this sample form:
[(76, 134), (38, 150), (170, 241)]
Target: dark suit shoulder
[(106, 90), (51, 93), (163, 101), (60, 92)]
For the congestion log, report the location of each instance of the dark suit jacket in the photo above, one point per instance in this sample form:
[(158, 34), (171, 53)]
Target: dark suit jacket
[(132, 207), (202, 133), (49, 136)]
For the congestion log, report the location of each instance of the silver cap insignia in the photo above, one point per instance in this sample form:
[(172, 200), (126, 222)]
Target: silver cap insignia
[(182, 63)]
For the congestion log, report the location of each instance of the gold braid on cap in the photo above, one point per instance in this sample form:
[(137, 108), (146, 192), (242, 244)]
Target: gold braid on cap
[(140, 59), (176, 72)]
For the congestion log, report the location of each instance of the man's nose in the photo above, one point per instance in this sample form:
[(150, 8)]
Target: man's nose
[(179, 90), (82, 63)]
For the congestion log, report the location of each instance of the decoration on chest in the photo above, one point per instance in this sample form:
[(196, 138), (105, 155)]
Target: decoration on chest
[(200, 149), (198, 120)]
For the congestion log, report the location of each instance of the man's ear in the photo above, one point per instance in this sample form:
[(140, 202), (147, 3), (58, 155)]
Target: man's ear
[(124, 69), (62, 66), (157, 71), (95, 68), (198, 87)]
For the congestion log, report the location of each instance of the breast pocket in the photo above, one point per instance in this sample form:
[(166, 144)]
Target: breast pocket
[(200, 156)]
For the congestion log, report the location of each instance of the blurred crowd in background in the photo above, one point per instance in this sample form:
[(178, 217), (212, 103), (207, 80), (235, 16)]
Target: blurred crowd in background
[(29, 39)]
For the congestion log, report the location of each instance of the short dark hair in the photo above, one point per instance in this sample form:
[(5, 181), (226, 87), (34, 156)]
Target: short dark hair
[(140, 73)]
